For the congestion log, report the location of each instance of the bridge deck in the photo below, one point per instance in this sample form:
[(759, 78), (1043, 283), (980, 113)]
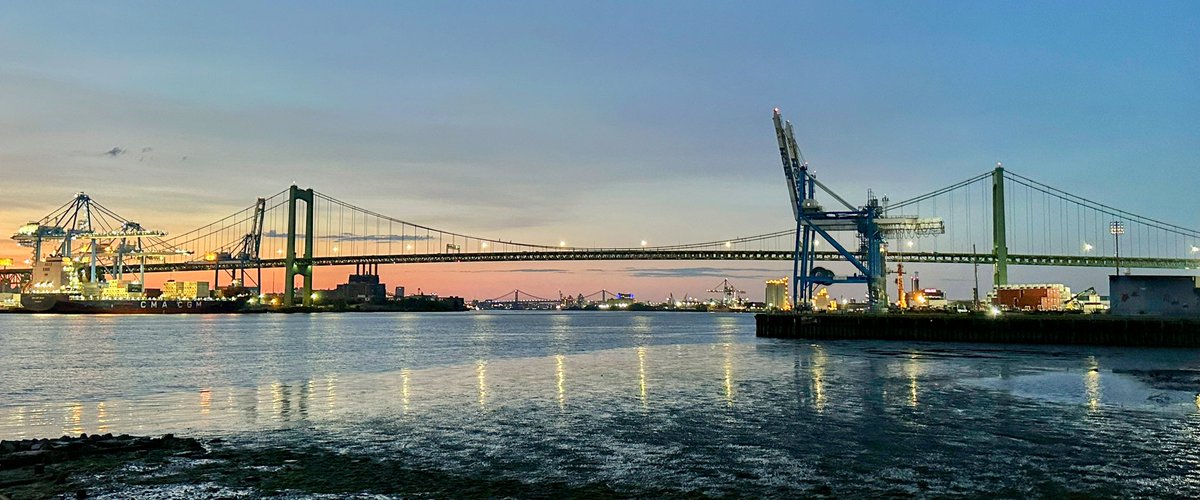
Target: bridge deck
[(685, 255)]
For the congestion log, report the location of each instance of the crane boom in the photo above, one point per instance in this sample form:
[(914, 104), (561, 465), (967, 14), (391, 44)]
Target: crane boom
[(786, 148)]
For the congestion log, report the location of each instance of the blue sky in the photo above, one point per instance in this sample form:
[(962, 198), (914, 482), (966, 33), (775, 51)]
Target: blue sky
[(598, 123)]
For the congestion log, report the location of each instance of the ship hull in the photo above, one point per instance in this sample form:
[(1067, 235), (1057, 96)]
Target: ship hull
[(62, 304)]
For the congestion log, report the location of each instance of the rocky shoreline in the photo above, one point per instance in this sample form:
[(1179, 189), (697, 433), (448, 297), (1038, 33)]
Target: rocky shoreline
[(38, 468)]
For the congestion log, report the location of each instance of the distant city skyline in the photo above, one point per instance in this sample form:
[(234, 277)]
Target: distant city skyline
[(594, 124)]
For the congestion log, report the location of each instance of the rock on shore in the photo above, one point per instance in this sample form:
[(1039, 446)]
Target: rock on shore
[(35, 468)]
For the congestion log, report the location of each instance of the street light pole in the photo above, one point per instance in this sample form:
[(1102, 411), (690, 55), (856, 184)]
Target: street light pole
[(975, 260), (1117, 228)]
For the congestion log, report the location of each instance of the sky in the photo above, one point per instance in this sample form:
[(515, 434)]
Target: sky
[(602, 123)]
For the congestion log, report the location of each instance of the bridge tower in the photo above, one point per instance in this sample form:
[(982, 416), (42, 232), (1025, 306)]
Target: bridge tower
[(295, 265), (999, 241)]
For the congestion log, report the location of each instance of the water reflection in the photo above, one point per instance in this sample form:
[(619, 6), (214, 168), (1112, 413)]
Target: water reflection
[(641, 326), (309, 388), (728, 366), (641, 355), (74, 419), (560, 373), (1091, 383), (912, 368), (481, 375), (331, 392), (817, 374), (405, 374), (205, 400), (280, 403), (729, 325), (833, 394), (102, 421)]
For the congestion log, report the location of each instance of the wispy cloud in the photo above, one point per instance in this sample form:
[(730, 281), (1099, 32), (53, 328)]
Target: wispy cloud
[(505, 271), (347, 237), (115, 152)]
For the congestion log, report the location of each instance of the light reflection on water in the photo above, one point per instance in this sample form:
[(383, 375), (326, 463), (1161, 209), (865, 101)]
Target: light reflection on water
[(1091, 383), (692, 401), (817, 375)]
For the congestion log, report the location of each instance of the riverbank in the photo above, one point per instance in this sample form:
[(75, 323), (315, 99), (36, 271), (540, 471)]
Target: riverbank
[(1065, 329)]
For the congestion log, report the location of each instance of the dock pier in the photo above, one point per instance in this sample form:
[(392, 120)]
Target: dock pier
[(1071, 329)]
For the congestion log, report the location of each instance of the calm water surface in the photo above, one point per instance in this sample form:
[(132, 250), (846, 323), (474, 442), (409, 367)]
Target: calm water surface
[(676, 400)]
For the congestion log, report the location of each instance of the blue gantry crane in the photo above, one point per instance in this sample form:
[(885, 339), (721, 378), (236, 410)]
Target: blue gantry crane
[(869, 221)]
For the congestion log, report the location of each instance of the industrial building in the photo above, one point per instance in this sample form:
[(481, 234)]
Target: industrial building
[(362, 286), (777, 295)]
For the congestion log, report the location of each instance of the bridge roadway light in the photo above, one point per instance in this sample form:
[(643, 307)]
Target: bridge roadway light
[(1194, 250), (483, 245), (728, 244), (1087, 247), (643, 242), (562, 243)]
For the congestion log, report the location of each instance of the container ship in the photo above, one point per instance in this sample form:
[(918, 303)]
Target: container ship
[(66, 304), (82, 253), (55, 288)]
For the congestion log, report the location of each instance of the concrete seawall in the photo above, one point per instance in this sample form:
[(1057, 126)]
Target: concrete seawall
[(1008, 328)]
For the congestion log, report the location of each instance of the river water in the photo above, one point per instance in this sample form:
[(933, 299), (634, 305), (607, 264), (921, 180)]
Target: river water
[(681, 401)]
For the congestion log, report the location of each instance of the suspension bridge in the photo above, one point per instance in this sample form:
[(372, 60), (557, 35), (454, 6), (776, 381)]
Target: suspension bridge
[(997, 218), (521, 300)]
